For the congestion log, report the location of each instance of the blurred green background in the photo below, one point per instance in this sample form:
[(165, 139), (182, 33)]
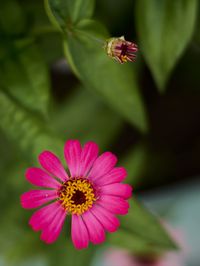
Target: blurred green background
[(56, 83)]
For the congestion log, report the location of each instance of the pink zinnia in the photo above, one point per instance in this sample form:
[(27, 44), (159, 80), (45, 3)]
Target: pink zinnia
[(93, 194)]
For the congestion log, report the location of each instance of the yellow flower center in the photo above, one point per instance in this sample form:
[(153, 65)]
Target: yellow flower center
[(77, 195)]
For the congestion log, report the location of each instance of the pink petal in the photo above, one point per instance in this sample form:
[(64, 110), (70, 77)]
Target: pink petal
[(51, 232), (103, 164), (114, 204), (72, 152), (116, 175), (117, 189), (53, 165), (94, 227), (40, 178), (106, 218), (88, 157), (36, 198), (42, 217), (79, 233)]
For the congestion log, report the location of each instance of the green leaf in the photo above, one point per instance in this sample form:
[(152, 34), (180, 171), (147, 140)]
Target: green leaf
[(25, 130), (135, 163), (114, 82), (25, 76), (69, 12), (164, 29), (84, 110), (71, 257), (7, 157), (93, 29), (141, 232), (133, 243), (50, 45)]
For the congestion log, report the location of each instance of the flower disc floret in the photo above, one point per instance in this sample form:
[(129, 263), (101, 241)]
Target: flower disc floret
[(77, 195)]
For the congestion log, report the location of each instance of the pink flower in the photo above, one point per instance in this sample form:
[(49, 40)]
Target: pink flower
[(118, 257), (120, 49), (92, 194)]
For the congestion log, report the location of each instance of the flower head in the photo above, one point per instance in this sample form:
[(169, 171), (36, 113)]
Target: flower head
[(92, 193), (120, 49)]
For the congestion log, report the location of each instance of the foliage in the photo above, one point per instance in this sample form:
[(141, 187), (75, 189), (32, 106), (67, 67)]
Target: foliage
[(98, 100), (173, 24)]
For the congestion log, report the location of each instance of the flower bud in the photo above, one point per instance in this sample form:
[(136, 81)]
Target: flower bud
[(120, 49)]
